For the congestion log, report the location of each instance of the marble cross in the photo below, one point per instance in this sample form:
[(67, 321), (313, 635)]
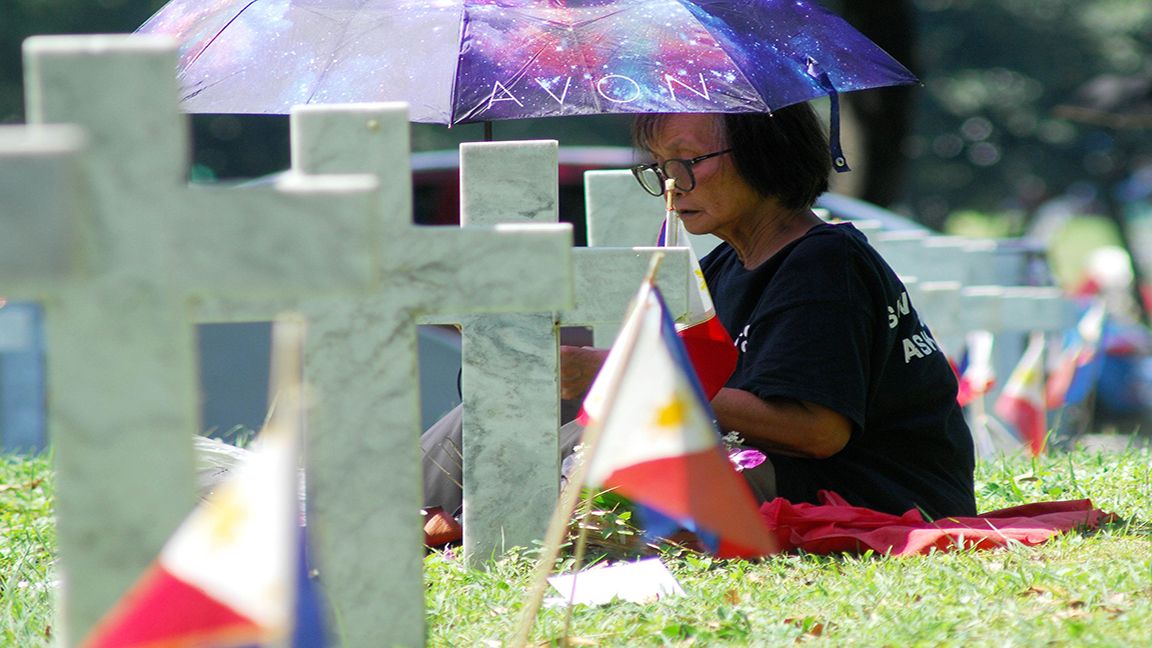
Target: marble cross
[(364, 486), (121, 369), (509, 362), (620, 214), (158, 250)]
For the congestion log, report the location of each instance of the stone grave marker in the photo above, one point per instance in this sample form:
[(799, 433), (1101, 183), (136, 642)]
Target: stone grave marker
[(510, 362), (620, 214), (121, 362), (364, 486), (40, 202)]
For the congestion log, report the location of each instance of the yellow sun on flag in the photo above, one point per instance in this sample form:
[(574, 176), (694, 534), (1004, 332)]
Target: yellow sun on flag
[(672, 414), (228, 510)]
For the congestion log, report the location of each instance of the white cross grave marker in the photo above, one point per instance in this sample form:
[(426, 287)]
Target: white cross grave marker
[(121, 367), (364, 486), (620, 214), (510, 362)]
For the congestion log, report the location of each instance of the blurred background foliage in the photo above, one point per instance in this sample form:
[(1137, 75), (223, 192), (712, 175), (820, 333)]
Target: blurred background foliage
[(1029, 109)]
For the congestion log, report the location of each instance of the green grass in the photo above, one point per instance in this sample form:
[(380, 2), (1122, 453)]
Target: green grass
[(27, 545), (1080, 589)]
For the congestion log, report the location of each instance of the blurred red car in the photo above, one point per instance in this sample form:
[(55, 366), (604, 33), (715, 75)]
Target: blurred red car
[(436, 183)]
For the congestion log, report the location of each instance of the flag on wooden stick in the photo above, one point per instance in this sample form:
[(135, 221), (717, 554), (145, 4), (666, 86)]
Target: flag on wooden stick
[(1021, 402), (234, 573), (1076, 369), (975, 374), (651, 438), (658, 443)]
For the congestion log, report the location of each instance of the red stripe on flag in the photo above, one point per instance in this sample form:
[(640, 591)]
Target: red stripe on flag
[(712, 354), (163, 610), (1059, 381), (1028, 418), (704, 488)]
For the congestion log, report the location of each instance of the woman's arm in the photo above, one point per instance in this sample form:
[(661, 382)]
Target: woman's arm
[(782, 425), (779, 425), (578, 368)]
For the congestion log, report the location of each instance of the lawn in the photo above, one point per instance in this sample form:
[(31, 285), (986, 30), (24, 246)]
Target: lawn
[(1090, 588)]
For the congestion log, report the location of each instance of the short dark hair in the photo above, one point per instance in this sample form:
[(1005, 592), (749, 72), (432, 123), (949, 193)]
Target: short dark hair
[(783, 154)]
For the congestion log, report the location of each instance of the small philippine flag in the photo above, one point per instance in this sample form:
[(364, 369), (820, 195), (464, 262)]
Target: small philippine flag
[(659, 446), (1021, 403), (234, 573)]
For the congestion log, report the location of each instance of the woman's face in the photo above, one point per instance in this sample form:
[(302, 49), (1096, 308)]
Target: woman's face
[(721, 203)]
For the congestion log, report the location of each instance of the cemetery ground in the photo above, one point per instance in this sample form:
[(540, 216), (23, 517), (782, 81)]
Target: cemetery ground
[(1090, 588)]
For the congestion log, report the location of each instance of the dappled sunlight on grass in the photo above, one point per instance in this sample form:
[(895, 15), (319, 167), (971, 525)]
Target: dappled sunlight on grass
[(1092, 588), (1089, 587)]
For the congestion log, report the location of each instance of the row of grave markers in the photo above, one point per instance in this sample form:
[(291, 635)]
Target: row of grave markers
[(957, 284), (102, 228), (126, 256), (131, 253)]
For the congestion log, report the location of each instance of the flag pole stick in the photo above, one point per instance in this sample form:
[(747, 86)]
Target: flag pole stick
[(577, 565), (558, 526), (287, 368), (671, 231), (285, 426)]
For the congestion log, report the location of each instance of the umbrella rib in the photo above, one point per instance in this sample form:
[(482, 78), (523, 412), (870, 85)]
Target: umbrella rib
[(332, 60), (511, 83), (583, 58), (202, 88), (685, 4), (452, 101), (217, 34)]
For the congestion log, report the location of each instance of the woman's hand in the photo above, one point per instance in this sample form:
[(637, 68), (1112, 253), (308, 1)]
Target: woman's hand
[(578, 368), (781, 425)]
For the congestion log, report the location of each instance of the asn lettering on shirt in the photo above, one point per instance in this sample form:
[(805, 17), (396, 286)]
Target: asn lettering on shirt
[(918, 345)]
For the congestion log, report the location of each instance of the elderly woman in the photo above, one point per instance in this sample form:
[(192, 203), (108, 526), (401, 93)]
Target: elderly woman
[(838, 381)]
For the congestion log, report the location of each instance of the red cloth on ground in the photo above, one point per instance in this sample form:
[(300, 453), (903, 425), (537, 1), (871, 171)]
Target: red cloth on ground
[(836, 526)]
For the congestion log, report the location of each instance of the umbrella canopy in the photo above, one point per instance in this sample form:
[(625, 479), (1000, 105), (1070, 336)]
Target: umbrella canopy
[(457, 61)]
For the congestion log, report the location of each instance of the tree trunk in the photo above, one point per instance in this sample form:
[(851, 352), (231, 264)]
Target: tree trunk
[(884, 114), (1125, 154)]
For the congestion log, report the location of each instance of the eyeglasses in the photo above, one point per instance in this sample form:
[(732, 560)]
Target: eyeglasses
[(653, 176)]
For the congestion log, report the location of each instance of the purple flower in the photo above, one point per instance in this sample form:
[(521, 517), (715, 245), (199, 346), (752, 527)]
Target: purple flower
[(745, 458)]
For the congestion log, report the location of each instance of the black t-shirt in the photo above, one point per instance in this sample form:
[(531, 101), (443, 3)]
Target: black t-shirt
[(826, 320)]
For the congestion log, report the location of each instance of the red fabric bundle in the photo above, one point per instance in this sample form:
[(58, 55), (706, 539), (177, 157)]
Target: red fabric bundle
[(837, 526)]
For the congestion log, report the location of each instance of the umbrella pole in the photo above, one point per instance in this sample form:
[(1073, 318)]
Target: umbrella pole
[(487, 131)]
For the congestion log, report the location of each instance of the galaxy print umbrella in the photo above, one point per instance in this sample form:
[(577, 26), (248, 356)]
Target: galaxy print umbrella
[(457, 61)]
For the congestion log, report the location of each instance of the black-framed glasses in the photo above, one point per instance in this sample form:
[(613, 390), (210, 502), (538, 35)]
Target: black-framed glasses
[(653, 176)]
